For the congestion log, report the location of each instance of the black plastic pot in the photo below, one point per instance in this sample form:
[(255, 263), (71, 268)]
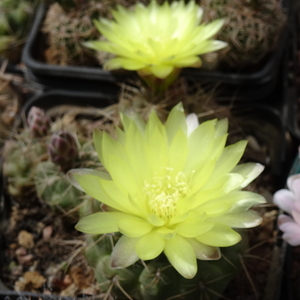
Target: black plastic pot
[(291, 86), (11, 68), (254, 85)]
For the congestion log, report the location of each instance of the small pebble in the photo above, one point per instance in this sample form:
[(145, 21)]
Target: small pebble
[(21, 251), (26, 239), (25, 259), (47, 233), (67, 280)]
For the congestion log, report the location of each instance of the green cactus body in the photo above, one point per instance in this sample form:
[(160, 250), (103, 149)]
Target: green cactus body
[(20, 172), (158, 281), (15, 20), (251, 30), (214, 276), (117, 281), (19, 16), (97, 247), (4, 28), (89, 206), (53, 187)]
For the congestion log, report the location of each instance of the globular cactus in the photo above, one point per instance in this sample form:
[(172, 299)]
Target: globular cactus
[(157, 279), (52, 186), (38, 122), (252, 30), (20, 172), (40, 142), (67, 25), (63, 150), (15, 21)]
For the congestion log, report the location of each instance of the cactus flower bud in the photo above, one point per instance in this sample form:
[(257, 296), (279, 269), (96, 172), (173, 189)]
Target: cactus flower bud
[(63, 149), (38, 122)]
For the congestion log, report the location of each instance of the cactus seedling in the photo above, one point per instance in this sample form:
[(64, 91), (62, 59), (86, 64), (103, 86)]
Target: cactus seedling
[(251, 29), (67, 25)]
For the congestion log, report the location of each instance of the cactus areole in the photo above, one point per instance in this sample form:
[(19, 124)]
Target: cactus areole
[(172, 188)]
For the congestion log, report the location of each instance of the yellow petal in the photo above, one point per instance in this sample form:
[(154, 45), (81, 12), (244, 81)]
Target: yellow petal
[(155, 220), (199, 155), (134, 227), (230, 157), (150, 246), (182, 256), (124, 254), (175, 121), (94, 186), (192, 228), (177, 159), (249, 171), (161, 71), (242, 219), (125, 63), (121, 173), (220, 236), (203, 251), (99, 223)]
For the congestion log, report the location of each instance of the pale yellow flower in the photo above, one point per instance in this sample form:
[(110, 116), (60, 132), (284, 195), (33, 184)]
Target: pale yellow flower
[(157, 39), (172, 189)]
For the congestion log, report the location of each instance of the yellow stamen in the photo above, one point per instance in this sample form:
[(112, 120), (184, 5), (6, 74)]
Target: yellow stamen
[(164, 192)]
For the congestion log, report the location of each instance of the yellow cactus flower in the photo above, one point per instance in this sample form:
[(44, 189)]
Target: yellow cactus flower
[(172, 188), (157, 39)]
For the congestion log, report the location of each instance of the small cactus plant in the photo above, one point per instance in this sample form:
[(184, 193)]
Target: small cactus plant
[(251, 29), (20, 172), (53, 187), (15, 20), (67, 25), (48, 153)]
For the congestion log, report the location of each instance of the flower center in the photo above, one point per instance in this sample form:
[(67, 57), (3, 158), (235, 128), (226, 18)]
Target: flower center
[(164, 192)]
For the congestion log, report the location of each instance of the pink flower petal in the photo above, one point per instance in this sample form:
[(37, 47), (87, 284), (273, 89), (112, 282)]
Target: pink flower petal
[(293, 184), (284, 219), (297, 205), (290, 229), (296, 216), (285, 199)]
